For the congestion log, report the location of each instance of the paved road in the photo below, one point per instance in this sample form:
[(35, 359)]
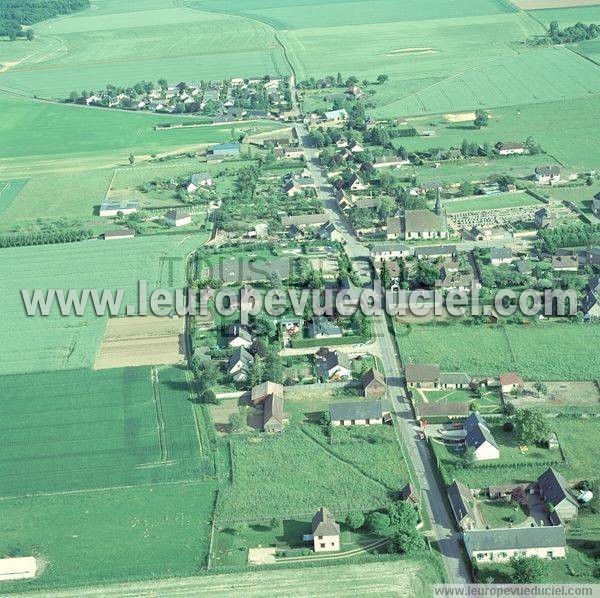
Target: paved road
[(448, 540)]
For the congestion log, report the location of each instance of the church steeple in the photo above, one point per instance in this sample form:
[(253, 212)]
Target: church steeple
[(438, 202)]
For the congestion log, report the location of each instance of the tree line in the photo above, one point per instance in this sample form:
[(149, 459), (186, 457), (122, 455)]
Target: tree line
[(49, 236), (16, 13)]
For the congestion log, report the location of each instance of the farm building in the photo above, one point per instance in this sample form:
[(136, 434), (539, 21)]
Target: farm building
[(177, 218), (410, 494), (335, 116), (510, 381), (425, 224), (239, 336), (555, 491), (547, 175), (389, 162), (501, 255), (224, 150), (422, 375), (500, 545), (360, 413), (393, 227), (261, 391), (239, 364), (113, 208), (273, 418), (454, 410), (18, 568), (305, 220), (333, 365), (203, 179), (454, 380), (390, 251), (544, 218), (436, 251), (373, 383), (509, 148), (479, 438), (325, 531), (462, 503), (125, 233), (565, 263)]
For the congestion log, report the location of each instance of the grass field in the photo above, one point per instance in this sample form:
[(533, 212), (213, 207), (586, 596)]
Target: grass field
[(485, 350), (110, 535), (507, 200), (56, 342), (8, 193), (81, 429), (567, 16)]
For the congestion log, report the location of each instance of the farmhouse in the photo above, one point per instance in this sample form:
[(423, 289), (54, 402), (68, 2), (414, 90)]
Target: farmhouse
[(239, 336), (462, 503), (500, 255), (435, 251), (333, 365), (544, 218), (273, 418), (356, 184), (393, 227), (510, 381), (325, 531), (261, 391), (124, 233), (18, 568), (360, 413), (457, 410), (219, 152), (390, 251), (500, 545), (479, 438), (177, 218), (239, 364), (547, 175), (565, 263), (509, 148), (305, 220), (389, 162), (203, 179), (422, 375), (454, 380), (321, 327), (335, 116), (591, 302), (373, 383), (112, 208), (596, 205), (292, 188), (555, 491), (425, 224)]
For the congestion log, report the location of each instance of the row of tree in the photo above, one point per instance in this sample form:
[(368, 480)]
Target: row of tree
[(50, 236)]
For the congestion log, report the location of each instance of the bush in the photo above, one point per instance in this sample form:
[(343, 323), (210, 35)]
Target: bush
[(378, 523), (355, 520)]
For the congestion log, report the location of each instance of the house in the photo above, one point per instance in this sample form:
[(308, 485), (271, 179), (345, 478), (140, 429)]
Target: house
[(452, 154), (273, 418), (453, 281), (113, 208), (509, 148), (325, 532), (458, 410), (500, 545), (333, 365), (329, 231), (221, 151), (24, 567), (335, 116), (544, 218), (409, 494), (239, 336), (557, 495), (239, 364), (203, 179), (373, 383), (591, 302), (360, 413), (261, 391), (292, 188), (454, 380), (425, 224), (390, 251), (393, 227), (356, 148), (293, 152), (355, 183), (389, 162), (124, 233), (462, 503), (304, 220), (547, 175), (596, 205), (565, 263), (177, 218), (422, 375), (592, 256), (436, 251), (479, 438), (500, 255), (510, 381), (321, 327)]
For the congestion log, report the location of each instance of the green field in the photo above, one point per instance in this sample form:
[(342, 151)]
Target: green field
[(110, 535), (8, 193), (494, 202), (489, 350), (56, 342), (81, 429), (568, 16)]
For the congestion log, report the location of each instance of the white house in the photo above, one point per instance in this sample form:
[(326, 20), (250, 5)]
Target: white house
[(239, 336), (325, 532), (479, 438), (203, 179), (510, 148), (113, 208), (547, 175), (336, 115), (239, 364), (177, 218), (360, 413)]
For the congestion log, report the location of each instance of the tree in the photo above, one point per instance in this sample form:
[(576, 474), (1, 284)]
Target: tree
[(469, 459), (378, 523), (406, 542), (466, 188), (540, 387), (131, 159), (403, 515), (29, 35), (274, 523), (355, 520), (237, 421), (533, 425), (264, 325), (481, 118), (381, 79), (531, 569)]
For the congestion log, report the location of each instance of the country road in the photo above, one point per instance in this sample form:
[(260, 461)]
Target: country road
[(448, 540)]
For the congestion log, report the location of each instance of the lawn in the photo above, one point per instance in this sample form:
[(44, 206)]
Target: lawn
[(79, 429), (8, 192), (55, 342), (495, 202), (499, 513), (299, 474), (118, 535), (489, 350)]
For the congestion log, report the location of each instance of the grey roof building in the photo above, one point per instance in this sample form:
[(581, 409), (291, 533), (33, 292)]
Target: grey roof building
[(323, 524), (422, 373), (273, 418), (555, 490), (514, 538), (462, 501), (359, 410)]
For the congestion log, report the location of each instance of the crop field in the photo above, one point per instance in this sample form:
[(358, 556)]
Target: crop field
[(567, 12), (56, 342), (80, 429), (494, 202), (110, 536), (539, 352), (298, 474), (8, 192)]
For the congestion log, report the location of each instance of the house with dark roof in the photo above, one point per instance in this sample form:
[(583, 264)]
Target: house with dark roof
[(355, 183), (454, 410), (509, 148), (479, 438), (544, 218), (547, 175), (360, 413), (239, 364), (333, 365), (323, 328), (463, 505), (596, 205), (261, 391), (500, 545), (373, 383), (425, 224), (273, 418), (393, 227), (239, 336), (555, 491), (410, 494), (565, 263), (422, 375), (325, 532), (500, 255), (591, 302), (177, 218)]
